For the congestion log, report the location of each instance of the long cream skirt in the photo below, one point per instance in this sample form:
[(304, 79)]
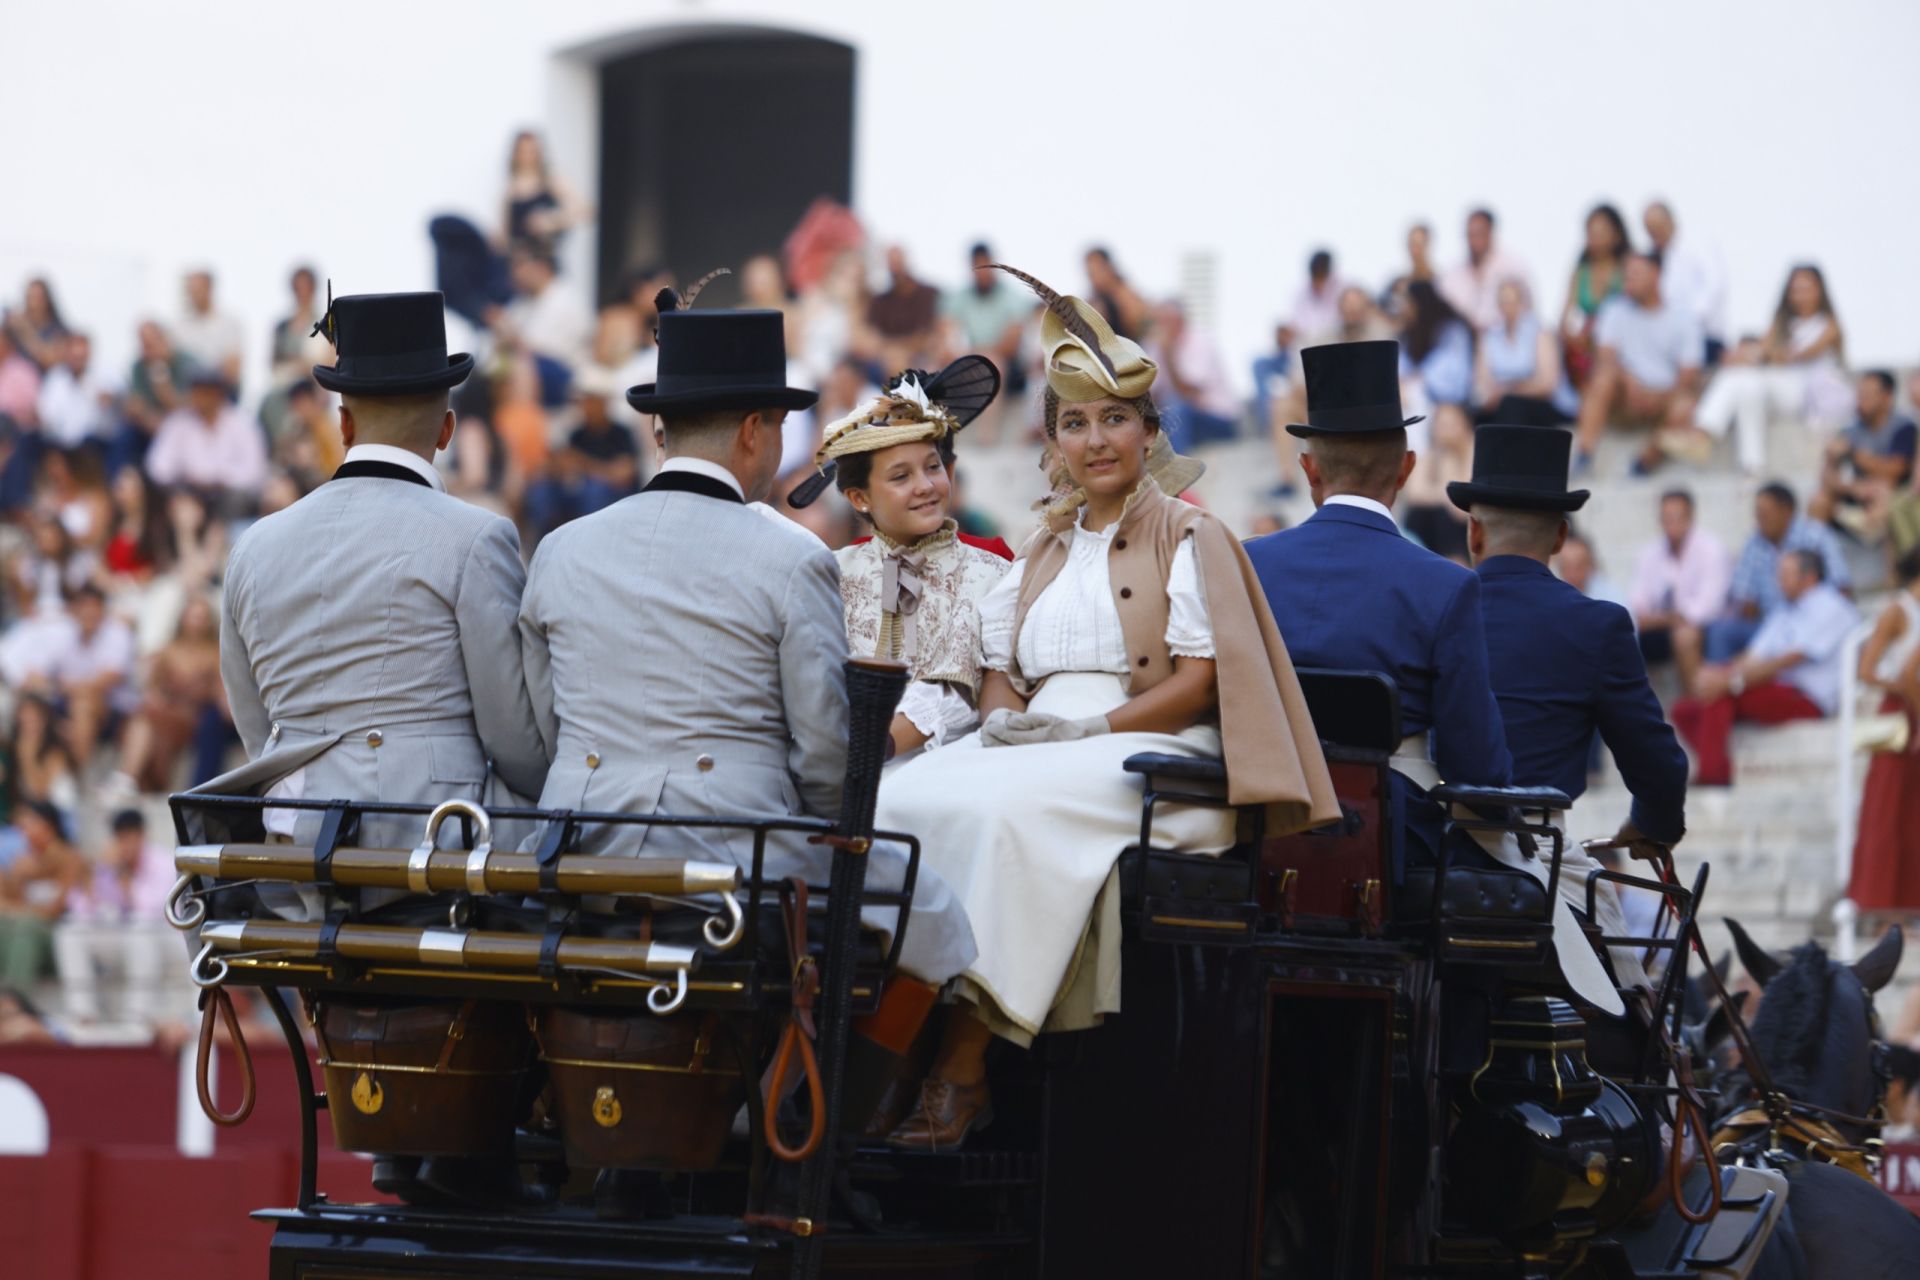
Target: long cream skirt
[(1027, 838)]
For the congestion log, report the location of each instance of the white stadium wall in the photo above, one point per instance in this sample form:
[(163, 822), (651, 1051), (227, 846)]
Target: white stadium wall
[(144, 139)]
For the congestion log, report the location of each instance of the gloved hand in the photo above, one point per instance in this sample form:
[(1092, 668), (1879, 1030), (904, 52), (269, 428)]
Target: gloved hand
[(1006, 728), (1637, 845)]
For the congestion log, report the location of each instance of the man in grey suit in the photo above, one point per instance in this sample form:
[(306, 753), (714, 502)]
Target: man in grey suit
[(686, 655), (369, 642)]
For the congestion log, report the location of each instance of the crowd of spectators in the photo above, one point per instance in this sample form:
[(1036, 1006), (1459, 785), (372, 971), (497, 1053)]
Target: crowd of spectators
[(122, 489)]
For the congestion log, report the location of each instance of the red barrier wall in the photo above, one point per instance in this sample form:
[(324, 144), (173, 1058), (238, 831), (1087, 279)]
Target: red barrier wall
[(114, 1200)]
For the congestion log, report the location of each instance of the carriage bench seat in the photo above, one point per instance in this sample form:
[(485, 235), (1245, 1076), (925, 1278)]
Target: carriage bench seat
[(1489, 915), (1184, 897)]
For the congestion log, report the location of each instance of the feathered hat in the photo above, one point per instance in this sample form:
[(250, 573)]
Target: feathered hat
[(914, 407), (1085, 359)]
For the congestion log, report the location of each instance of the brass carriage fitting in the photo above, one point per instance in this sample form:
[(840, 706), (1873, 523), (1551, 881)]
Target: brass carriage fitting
[(197, 859)]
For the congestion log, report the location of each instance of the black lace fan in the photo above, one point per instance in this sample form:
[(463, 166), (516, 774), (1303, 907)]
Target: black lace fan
[(964, 388)]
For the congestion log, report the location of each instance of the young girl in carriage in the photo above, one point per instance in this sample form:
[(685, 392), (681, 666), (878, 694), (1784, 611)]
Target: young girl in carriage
[(1131, 622), (912, 590)]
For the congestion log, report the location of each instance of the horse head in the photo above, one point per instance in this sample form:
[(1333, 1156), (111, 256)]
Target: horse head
[(1816, 1032)]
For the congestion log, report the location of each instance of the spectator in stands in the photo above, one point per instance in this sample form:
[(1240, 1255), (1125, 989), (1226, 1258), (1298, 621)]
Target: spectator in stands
[(20, 1020), (207, 336), (1799, 373), (36, 327), (904, 318), (1516, 377), (74, 489), (43, 770), (1473, 287), (1647, 370), (1198, 403), (1886, 855), (295, 348), (141, 542), (76, 405), (1420, 252), (1437, 341), (1579, 568), (212, 445), (1315, 314), (180, 689), (834, 316), (989, 318), (1791, 670), (156, 386), (310, 443), (1108, 291), (1276, 391), (116, 919), (19, 383), (1755, 591), (1679, 588), (540, 207), (599, 465), (1694, 277), (763, 285), (1867, 463), (94, 675), (1598, 274), (546, 323), (33, 893)]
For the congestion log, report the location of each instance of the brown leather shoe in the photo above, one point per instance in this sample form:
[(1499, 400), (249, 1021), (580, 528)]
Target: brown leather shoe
[(901, 1094), (946, 1114)]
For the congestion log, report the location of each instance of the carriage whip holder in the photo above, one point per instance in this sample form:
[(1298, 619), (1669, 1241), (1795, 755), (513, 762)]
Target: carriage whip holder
[(873, 692)]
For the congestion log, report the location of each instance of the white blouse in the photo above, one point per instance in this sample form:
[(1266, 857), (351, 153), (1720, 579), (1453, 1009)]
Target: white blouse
[(1075, 626)]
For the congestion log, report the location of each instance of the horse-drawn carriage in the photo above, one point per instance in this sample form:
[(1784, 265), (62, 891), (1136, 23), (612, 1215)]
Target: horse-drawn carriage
[(649, 1067)]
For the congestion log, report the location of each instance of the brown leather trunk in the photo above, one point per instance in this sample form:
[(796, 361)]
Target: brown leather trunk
[(430, 1079), (639, 1091)]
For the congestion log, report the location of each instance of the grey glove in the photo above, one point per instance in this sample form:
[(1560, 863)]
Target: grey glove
[(1006, 728)]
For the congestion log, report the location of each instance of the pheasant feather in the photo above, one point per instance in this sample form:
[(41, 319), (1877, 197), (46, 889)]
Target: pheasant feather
[(1070, 317)]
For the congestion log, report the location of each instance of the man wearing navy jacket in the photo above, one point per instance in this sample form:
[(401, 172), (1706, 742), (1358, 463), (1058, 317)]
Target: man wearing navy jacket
[(1563, 666), (1350, 592)]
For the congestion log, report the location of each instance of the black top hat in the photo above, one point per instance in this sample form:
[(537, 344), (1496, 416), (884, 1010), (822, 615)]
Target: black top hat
[(720, 360), (1352, 388), (1519, 467), (389, 344)]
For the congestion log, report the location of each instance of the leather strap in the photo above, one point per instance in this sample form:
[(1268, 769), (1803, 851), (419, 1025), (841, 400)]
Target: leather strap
[(796, 1038), (218, 1003), (553, 842), (550, 944), (327, 947)]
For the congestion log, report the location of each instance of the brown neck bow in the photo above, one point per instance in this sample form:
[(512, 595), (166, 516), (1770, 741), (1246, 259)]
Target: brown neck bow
[(901, 583)]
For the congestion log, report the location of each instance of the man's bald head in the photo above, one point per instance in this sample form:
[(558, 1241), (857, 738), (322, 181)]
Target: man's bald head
[(418, 424)]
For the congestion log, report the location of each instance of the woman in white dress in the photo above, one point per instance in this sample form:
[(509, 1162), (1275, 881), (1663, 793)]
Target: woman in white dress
[(912, 591), (1800, 373), (1131, 623)]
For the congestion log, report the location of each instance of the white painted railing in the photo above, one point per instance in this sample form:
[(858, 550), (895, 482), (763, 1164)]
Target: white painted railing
[(1846, 797)]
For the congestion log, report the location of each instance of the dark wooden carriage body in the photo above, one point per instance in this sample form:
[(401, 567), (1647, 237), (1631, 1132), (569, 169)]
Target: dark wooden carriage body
[(1299, 1035)]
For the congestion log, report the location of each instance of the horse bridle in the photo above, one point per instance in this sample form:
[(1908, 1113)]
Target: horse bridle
[(1778, 1114)]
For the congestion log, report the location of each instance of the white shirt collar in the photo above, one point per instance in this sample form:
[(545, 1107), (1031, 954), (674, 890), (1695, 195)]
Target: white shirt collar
[(1355, 500), (399, 458), (711, 470)]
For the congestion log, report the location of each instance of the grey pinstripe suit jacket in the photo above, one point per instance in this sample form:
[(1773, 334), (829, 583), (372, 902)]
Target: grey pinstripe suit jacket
[(369, 638), (686, 656)]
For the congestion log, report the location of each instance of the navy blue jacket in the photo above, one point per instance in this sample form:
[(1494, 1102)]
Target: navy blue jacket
[(1565, 666), (1350, 592)]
